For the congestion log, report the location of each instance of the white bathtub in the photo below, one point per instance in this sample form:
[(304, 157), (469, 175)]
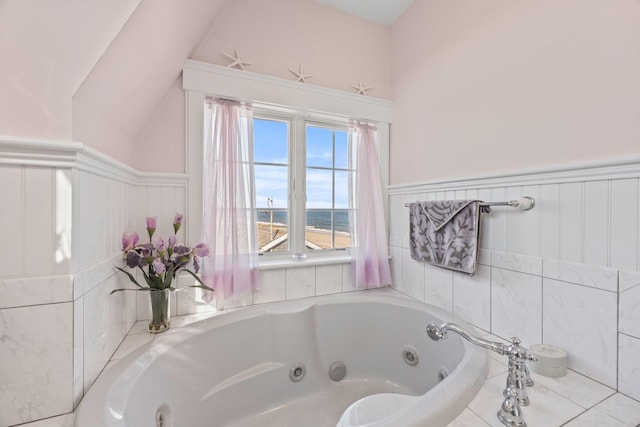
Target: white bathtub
[(234, 369)]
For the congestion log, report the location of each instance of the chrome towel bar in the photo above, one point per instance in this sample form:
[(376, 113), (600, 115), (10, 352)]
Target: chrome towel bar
[(525, 203)]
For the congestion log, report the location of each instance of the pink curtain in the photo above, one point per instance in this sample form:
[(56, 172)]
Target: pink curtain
[(370, 260), (229, 216)]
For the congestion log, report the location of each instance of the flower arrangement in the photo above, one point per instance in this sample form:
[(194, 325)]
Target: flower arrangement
[(161, 258)]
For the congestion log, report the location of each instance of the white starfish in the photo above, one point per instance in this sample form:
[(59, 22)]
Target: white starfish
[(362, 90), (300, 75), (237, 61)]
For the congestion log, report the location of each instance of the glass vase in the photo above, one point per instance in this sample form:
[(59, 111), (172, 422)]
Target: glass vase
[(159, 310)]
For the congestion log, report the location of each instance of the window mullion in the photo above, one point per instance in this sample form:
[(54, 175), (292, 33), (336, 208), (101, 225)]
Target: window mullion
[(298, 214)]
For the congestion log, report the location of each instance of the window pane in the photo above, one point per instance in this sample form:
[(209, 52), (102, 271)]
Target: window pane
[(318, 233), (327, 229), (342, 189), (341, 225), (319, 146), (271, 184), (273, 230), (342, 149), (271, 141), (319, 188)]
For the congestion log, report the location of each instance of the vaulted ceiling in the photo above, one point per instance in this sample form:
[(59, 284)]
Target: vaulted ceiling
[(71, 66)]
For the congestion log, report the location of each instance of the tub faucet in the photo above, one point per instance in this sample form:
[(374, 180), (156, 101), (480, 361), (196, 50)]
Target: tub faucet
[(518, 378)]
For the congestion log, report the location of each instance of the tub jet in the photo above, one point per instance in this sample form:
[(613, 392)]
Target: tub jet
[(410, 356), (163, 416), (337, 371), (296, 372)]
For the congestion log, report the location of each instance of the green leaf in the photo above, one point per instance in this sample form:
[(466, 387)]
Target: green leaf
[(201, 285), (168, 276), (131, 278), (127, 289), (205, 287)]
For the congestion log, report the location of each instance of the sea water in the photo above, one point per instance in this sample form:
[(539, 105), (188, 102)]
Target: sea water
[(318, 219)]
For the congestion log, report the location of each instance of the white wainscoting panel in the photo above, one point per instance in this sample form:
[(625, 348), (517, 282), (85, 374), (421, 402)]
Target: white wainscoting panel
[(624, 224), (564, 273), (12, 219), (596, 222)]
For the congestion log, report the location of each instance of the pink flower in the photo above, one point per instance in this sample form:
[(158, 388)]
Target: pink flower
[(151, 221), (158, 243), (151, 225), (201, 250), (177, 222), (172, 241), (129, 240), (158, 266)]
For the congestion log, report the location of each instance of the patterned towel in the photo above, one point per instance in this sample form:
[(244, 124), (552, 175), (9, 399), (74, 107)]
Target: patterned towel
[(445, 233)]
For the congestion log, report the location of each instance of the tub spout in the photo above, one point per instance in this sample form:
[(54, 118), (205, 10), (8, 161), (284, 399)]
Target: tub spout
[(440, 332)]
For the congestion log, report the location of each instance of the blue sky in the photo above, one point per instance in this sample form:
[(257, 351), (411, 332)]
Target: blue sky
[(270, 145)]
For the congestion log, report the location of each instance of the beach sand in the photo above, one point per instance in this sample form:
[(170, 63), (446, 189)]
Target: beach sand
[(316, 238)]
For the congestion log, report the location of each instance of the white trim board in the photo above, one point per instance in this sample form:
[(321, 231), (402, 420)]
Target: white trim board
[(576, 172), (259, 88), (59, 154)]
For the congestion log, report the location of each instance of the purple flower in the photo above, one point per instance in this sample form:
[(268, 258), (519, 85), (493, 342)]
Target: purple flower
[(129, 240), (132, 258), (181, 250), (158, 243), (177, 222), (151, 225), (201, 250), (181, 256), (158, 266), (172, 241), (145, 250)]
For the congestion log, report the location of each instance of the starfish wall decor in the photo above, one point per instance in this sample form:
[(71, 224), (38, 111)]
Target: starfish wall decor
[(300, 75), (237, 61), (362, 89)]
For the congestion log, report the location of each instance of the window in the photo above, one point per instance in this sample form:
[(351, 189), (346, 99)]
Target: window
[(271, 164), (328, 178), (302, 174)]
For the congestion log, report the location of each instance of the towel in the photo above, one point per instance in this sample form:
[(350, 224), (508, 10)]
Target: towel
[(445, 233)]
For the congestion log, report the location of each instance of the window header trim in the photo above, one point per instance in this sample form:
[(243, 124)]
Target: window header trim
[(218, 81)]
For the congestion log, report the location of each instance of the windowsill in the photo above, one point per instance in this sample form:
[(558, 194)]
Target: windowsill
[(266, 262)]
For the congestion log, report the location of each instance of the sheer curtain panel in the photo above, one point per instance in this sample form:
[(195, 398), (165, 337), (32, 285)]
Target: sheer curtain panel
[(370, 260), (229, 215)]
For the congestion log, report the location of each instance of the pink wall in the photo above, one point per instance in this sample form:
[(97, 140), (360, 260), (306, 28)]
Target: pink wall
[(161, 145), (275, 35), (279, 34), (497, 85), (47, 49), (133, 77)]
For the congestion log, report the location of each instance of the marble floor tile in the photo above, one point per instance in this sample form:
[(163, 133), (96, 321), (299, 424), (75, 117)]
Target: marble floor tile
[(130, 343), (547, 408), (467, 419), (61, 421), (594, 418), (579, 389), (622, 408), (497, 368)]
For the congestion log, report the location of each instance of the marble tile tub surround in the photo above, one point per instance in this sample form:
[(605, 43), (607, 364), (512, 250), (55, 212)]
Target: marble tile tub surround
[(574, 400), (574, 306)]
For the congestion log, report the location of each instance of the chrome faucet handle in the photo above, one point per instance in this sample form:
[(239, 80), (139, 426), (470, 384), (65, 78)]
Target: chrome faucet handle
[(519, 377), (510, 413)]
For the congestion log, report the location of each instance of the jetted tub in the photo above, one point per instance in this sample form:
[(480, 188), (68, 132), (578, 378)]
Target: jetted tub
[(271, 365)]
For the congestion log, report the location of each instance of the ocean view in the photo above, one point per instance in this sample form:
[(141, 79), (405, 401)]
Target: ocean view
[(318, 219)]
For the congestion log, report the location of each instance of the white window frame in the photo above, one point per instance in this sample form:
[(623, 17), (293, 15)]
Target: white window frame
[(275, 95)]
